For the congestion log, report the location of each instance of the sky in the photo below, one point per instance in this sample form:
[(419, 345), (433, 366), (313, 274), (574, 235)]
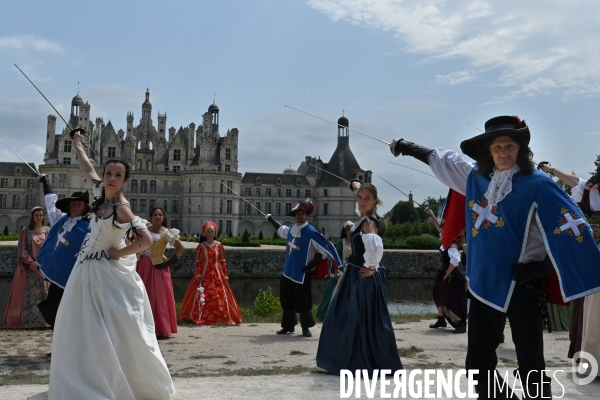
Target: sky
[(420, 70)]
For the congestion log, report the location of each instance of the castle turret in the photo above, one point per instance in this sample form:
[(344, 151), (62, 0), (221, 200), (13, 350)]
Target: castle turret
[(50, 135)]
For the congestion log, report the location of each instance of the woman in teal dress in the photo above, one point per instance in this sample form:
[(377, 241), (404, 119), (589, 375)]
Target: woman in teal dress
[(344, 249)]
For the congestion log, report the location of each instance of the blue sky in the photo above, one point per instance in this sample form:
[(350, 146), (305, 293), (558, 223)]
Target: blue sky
[(416, 69)]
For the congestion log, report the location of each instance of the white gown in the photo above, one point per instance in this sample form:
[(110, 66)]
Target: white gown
[(104, 345)]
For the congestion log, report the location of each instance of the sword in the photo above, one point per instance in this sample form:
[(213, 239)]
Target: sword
[(61, 117), (335, 123), (26, 163), (238, 195), (420, 205), (413, 169), (339, 177)]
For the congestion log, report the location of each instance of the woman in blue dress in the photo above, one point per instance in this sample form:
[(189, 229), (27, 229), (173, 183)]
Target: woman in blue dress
[(357, 332)]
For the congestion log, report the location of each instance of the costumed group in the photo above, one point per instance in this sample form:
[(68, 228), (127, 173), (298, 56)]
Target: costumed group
[(528, 243)]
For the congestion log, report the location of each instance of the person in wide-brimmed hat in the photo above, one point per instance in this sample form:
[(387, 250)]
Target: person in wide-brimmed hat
[(306, 249), (69, 226), (521, 228)]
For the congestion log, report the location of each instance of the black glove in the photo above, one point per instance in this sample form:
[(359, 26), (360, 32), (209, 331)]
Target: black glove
[(405, 148), (167, 263), (47, 186), (313, 264), (523, 273), (273, 221), (540, 165)]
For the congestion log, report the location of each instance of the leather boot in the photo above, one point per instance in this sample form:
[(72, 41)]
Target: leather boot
[(306, 332), (283, 331), (461, 327), (441, 323)]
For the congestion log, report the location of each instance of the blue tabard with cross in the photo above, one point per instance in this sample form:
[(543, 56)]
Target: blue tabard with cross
[(496, 237), (300, 251), (58, 253)]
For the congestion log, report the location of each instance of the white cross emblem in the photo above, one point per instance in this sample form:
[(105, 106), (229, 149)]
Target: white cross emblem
[(484, 213), (61, 236), (292, 245), (572, 224)]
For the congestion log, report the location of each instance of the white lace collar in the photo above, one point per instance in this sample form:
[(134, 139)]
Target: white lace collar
[(296, 229), (70, 223), (500, 185)]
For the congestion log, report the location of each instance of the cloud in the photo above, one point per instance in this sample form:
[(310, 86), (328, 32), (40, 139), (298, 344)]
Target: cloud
[(29, 42), (529, 49), (456, 78)]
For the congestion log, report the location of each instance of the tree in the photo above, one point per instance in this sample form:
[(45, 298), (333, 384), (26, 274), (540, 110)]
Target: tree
[(5, 233), (245, 236), (275, 235), (595, 175), (403, 211), (260, 236)]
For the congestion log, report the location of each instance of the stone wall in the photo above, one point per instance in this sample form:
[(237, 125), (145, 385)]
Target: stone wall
[(267, 263)]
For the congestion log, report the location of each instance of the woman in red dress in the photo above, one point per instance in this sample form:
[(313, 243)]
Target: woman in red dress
[(28, 287), (153, 268), (209, 299)]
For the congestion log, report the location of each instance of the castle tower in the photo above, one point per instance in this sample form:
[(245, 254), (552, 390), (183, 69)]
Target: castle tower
[(50, 135), (129, 123), (162, 125), (147, 108), (75, 104), (213, 109)]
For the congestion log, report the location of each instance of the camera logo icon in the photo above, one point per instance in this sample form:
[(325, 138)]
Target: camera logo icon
[(586, 371)]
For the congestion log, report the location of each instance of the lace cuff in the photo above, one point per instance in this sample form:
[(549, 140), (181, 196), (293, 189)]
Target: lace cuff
[(373, 249), (172, 236)]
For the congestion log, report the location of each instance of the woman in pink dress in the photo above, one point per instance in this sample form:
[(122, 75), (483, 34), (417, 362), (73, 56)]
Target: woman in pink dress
[(153, 268), (208, 299), (28, 287)]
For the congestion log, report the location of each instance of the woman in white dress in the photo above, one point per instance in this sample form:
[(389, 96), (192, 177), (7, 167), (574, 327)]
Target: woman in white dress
[(104, 344)]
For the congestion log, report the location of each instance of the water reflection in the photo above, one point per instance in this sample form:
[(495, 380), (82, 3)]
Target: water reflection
[(404, 295)]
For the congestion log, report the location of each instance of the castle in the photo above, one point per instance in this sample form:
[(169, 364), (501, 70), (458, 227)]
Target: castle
[(192, 173)]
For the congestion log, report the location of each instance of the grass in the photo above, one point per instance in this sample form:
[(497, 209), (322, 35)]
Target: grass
[(203, 357), (277, 370), (409, 352), (404, 318)]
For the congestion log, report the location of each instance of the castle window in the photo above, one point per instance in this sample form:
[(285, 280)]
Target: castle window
[(324, 192), (176, 155), (29, 201), (133, 203), (257, 191), (148, 165), (228, 229), (267, 208), (246, 209), (307, 193), (4, 182), (29, 183), (288, 192), (133, 186), (112, 152), (152, 186), (288, 208), (143, 205), (257, 208), (16, 204), (166, 189), (277, 208), (67, 146), (278, 193), (298, 193), (139, 165), (176, 187), (67, 161), (228, 168), (221, 187), (143, 186), (176, 168), (230, 184), (3, 200), (17, 183), (248, 191), (228, 154), (221, 206), (229, 206), (175, 206), (62, 181), (219, 168), (151, 203), (268, 192), (325, 209)]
